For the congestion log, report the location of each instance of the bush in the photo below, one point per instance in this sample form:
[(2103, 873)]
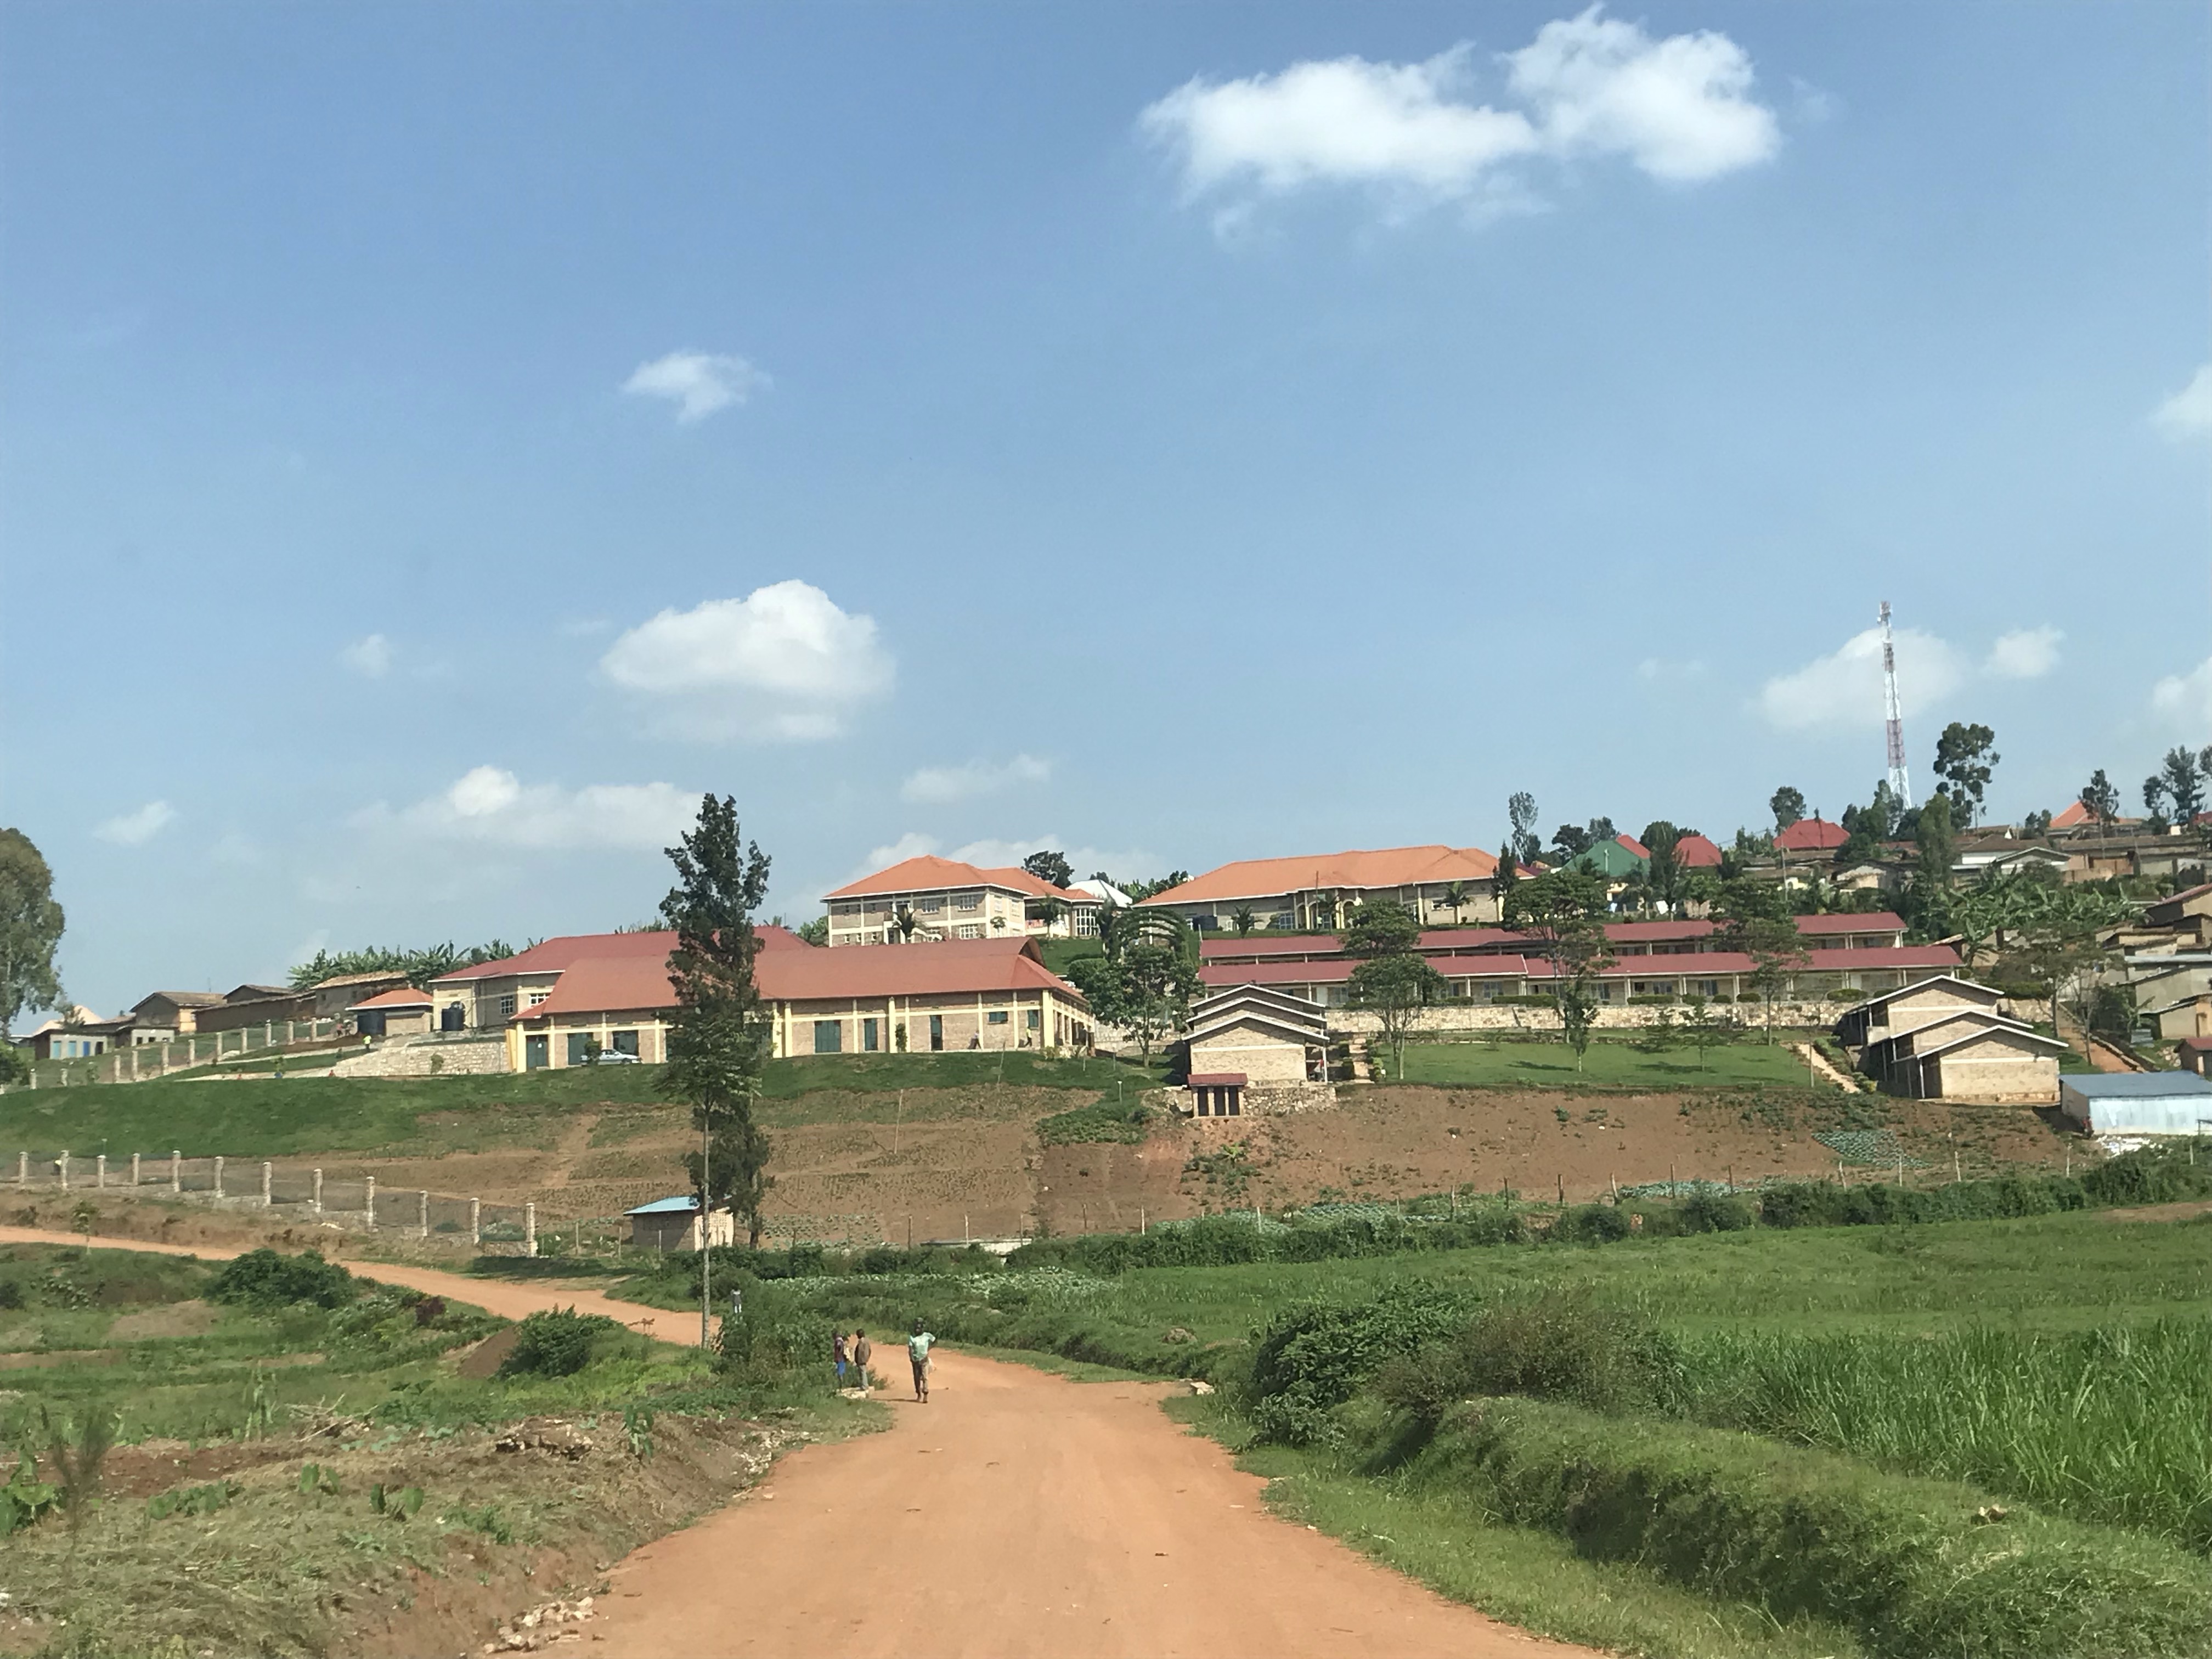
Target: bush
[(1916, 1567), (1554, 1345), (1591, 1224), (264, 1279), (555, 1343), (1101, 1120), (1713, 1212), (1309, 1360)]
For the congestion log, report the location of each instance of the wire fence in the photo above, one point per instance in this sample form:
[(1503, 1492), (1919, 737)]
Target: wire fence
[(358, 1203), (269, 1046)]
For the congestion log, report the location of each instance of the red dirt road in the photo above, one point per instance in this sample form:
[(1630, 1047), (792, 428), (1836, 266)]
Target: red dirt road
[(509, 1301), (1017, 1514), (1021, 1513)]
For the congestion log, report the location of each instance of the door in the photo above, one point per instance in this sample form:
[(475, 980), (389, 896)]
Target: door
[(936, 1032), (536, 1052)]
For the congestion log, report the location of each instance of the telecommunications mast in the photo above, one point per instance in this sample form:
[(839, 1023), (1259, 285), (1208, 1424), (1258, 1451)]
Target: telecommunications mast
[(1893, 710)]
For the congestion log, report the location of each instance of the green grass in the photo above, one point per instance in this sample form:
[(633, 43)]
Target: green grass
[(423, 1117), (1609, 1064)]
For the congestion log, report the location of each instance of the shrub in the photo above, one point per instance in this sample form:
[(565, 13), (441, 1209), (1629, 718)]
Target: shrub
[(264, 1279), (1713, 1212), (1591, 1224), (1309, 1360), (1103, 1120), (1916, 1567), (1553, 1346), (555, 1343)]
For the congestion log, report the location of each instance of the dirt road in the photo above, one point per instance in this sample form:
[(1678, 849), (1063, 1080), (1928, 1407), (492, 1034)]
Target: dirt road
[(509, 1301), (1017, 1514), (1020, 1514)]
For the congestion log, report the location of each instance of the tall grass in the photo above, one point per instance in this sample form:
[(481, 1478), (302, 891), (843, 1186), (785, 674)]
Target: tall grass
[(2112, 1424)]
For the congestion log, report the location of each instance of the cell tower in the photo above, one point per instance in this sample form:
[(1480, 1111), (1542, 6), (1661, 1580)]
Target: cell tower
[(1893, 711)]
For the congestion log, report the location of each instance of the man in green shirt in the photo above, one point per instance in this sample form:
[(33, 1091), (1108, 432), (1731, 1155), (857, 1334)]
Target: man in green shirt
[(917, 1350)]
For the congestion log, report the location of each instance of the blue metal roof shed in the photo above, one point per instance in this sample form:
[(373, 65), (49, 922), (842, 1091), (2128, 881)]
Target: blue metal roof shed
[(2137, 1102)]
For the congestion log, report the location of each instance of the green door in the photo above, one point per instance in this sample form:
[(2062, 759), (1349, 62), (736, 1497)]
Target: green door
[(535, 1052)]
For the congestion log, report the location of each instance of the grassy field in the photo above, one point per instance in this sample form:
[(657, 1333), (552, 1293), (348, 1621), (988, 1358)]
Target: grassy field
[(2050, 1366), (424, 1116), (1609, 1064), (283, 1465)]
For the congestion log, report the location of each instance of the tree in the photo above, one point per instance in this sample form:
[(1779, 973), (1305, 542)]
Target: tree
[(2100, 800), (1787, 805), (1507, 874), (1052, 867), (1701, 1028), (2184, 785), (1245, 919), (1521, 813), (1570, 842), (1381, 928), (1561, 912), (718, 1038), (30, 931), (1663, 872), (1394, 988), (1457, 896), (1964, 759), (2036, 824), (2154, 796), (1928, 900), (1755, 920), (904, 923), (1145, 987), (815, 932)]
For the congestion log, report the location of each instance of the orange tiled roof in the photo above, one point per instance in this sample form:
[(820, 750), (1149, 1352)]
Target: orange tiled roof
[(1392, 866)]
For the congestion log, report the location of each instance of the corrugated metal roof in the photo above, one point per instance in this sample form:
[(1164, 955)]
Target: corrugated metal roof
[(1357, 871), (2134, 1086)]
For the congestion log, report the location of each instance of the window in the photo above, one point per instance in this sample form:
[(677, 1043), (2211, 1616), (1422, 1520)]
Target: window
[(970, 930), (936, 1032), (579, 1047), (829, 1036), (930, 907), (507, 1007), (969, 902), (868, 1040), (624, 1043), (536, 997), (1284, 918), (1034, 1018), (997, 1016)]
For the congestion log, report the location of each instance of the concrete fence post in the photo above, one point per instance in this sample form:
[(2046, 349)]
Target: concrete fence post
[(372, 1203), (422, 1212), (65, 1170), (218, 1177), (22, 1168), (176, 1170), (529, 1230), (100, 1172), (476, 1221), (267, 1191), (133, 1169), (317, 1199)]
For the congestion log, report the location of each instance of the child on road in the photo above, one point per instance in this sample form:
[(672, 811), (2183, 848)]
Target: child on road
[(917, 1351), (863, 1351), (838, 1353)]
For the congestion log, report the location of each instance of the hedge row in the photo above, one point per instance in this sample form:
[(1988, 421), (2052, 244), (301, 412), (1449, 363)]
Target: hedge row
[(1916, 1567)]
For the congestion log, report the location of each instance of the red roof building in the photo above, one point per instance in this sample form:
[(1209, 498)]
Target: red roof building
[(1812, 835), (952, 994), (921, 899), (1694, 852), (1317, 891)]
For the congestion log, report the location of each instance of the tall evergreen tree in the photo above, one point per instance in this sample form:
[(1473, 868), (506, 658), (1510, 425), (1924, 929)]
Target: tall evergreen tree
[(718, 1039)]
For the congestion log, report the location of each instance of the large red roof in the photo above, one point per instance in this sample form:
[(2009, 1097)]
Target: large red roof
[(1696, 853), (1700, 964), (552, 956), (952, 967), (1391, 866), (1812, 835), (1260, 947), (929, 874)]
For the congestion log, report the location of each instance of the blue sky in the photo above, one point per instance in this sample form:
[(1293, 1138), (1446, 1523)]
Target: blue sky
[(437, 441)]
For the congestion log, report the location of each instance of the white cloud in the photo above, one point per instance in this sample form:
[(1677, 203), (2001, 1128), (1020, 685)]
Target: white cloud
[(2185, 700), (999, 855), (1845, 687), (2025, 653), (2188, 413), (137, 828), (369, 657), (490, 805), (784, 662), (936, 784), (1679, 108), (697, 382)]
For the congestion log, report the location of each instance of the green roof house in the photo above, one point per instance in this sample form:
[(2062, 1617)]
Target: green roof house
[(1616, 860)]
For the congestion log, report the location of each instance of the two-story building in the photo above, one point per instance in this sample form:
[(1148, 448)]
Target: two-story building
[(1438, 884), (921, 899)]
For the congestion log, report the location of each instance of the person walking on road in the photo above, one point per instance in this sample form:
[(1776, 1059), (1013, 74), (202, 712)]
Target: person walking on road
[(863, 1351), (837, 1354), (917, 1350)]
